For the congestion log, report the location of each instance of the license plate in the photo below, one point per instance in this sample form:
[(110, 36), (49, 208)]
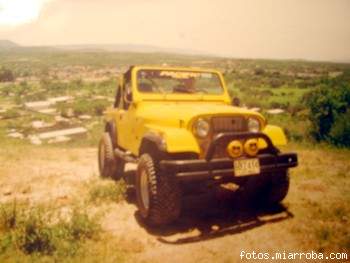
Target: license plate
[(246, 167)]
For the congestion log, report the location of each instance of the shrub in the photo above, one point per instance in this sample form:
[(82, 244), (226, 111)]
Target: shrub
[(8, 217), (107, 191), (340, 132), (95, 107), (280, 105), (33, 231), (259, 71), (295, 127), (6, 75), (82, 107), (295, 108), (36, 235), (328, 106), (11, 113), (36, 96), (81, 226), (99, 106), (275, 82), (265, 93)]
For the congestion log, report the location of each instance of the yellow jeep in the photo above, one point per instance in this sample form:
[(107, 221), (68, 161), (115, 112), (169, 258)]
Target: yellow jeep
[(181, 128)]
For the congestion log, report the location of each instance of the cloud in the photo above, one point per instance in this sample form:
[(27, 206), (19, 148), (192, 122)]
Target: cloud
[(16, 12)]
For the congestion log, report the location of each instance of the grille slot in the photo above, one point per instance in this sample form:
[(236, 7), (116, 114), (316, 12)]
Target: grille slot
[(229, 124)]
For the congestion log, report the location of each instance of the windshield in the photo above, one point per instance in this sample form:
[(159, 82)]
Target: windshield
[(175, 81)]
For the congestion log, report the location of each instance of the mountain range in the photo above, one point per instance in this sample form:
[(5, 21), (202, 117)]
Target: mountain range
[(6, 45)]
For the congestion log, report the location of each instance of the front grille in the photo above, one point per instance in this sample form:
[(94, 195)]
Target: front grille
[(229, 124), (223, 124)]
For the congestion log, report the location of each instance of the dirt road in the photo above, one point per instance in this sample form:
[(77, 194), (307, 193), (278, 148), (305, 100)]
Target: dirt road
[(212, 228)]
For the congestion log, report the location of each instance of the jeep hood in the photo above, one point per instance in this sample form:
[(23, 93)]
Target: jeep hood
[(171, 113)]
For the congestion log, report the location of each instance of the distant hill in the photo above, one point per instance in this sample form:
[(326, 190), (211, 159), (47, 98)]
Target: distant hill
[(10, 46), (129, 48), (7, 44)]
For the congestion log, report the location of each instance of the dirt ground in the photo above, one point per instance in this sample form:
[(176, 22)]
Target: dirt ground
[(212, 228)]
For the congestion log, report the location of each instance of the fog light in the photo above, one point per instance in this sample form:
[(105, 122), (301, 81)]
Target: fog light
[(235, 149), (251, 147)]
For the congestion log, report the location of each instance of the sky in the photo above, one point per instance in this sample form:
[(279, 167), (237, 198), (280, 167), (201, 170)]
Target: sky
[(280, 29)]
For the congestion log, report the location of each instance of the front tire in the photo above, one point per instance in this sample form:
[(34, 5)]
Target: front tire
[(158, 195)]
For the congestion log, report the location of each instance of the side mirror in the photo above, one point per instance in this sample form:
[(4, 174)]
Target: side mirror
[(236, 102)]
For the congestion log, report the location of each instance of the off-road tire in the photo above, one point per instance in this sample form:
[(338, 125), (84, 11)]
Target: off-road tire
[(109, 166), (164, 193), (266, 190), (277, 189)]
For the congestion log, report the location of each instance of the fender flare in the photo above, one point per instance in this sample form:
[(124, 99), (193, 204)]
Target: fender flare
[(276, 134), (171, 140), (152, 141)]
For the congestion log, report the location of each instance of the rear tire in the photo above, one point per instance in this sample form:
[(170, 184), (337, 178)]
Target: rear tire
[(266, 189), (277, 189), (158, 195), (109, 166)]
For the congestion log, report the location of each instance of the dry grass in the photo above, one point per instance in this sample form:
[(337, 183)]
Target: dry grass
[(320, 198), (64, 178), (50, 205)]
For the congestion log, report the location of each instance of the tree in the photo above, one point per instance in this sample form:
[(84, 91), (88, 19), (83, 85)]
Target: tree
[(6, 75), (329, 107)]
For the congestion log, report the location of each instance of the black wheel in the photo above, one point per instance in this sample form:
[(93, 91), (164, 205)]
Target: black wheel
[(277, 189), (158, 195), (109, 166), (266, 189)]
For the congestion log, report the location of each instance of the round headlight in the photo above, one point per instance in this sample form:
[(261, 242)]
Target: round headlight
[(201, 128), (253, 125)]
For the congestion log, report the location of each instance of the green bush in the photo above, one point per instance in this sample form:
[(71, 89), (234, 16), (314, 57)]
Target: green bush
[(340, 131), (94, 107), (279, 105), (107, 191), (6, 75), (295, 127), (36, 235), (8, 217), (11, 113), (82, 107), (328, 105), (33, 231), (99, 106)]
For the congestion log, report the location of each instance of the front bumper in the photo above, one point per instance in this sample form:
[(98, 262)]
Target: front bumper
[(209, 168)]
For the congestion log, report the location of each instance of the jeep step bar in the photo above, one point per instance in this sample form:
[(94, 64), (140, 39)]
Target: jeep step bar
[(126, 156)]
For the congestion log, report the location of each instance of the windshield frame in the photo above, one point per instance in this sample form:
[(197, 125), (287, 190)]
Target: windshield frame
[(219, 89), (145, 96)]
